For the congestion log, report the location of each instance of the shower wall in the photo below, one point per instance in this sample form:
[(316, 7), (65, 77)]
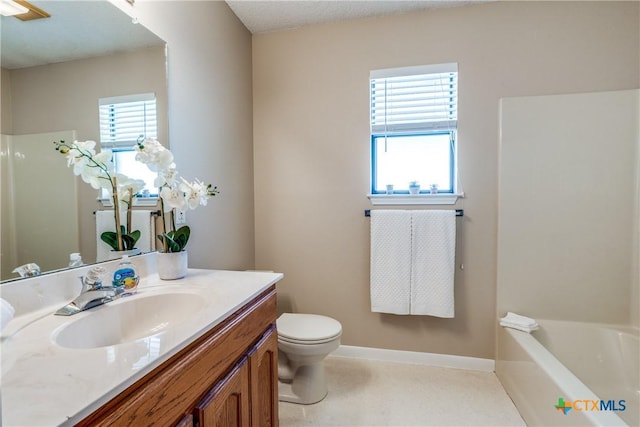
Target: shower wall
[(39, 203), (568, 207)]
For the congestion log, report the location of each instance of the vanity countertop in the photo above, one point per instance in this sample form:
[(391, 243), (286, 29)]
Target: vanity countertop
[(44, 383)]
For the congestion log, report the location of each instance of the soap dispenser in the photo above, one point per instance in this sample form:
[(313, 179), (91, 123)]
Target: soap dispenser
[(126, 276)]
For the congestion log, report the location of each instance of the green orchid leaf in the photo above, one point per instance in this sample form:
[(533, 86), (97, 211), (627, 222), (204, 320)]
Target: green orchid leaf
[(110, 238), (135, 235), (175, 241), (128, 242), (182, 236), (171, 245)]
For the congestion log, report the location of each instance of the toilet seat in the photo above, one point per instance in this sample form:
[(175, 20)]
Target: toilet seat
[(307, 329)]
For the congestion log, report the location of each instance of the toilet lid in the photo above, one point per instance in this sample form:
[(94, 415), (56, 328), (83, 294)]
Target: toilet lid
[(307, 327)]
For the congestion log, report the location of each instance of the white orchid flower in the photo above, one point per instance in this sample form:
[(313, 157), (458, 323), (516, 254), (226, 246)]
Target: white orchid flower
[(196, 193), (166, 177), (154, 155), (173, 198), (86, 148), (80, 153), (94, 171), (96, 178), (127, 187)]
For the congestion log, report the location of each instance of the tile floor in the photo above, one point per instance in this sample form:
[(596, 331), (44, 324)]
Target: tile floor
[(375, 393)]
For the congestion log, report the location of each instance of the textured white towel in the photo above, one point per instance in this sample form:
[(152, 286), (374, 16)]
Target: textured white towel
[(519, 319), (412, 262), (6, 313), (140, 220), (433, 236), (390, 261)]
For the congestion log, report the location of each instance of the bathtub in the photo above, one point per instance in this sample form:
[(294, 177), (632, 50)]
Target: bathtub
[(579, 362)]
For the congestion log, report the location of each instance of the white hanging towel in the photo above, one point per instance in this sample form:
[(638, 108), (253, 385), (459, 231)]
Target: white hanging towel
[(390, 261), (433, 235), (140, 220), (413, 262)]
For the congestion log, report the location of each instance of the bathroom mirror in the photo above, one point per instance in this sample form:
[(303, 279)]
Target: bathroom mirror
[(54, 70)]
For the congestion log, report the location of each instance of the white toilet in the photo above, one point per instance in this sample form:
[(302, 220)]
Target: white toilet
[(304, 340)]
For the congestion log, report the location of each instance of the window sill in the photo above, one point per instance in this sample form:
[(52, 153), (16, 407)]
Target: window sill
[(414, 199), (137, 201)]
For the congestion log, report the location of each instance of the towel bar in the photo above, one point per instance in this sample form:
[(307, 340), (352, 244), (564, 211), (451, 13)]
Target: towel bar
[(459, 212), (153, 213)]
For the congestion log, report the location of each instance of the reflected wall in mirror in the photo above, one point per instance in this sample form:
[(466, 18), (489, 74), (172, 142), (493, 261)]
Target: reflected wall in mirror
[(54, 71)]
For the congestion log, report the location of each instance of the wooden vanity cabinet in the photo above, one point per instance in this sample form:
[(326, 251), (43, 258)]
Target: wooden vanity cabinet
[(245, 396), (227, 404), (228, 377)]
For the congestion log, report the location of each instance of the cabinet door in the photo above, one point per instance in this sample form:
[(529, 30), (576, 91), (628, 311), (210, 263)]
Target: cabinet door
[(263, 372), (227, 404), (186, 421)]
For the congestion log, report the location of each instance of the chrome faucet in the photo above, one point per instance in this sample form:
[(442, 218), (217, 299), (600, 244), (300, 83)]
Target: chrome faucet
[(92, 293)]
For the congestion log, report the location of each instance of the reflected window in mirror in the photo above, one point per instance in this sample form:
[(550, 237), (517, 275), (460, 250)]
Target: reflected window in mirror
[(123, 120)]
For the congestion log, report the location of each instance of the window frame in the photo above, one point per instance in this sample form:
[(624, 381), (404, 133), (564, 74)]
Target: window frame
[(452, 160), (441, 124)]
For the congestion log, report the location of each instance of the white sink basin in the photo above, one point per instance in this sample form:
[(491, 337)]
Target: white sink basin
[(128, 319)]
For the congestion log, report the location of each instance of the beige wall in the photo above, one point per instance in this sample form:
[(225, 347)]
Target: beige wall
[(311, 146), (64, 96), (210, 125), (6, 117)]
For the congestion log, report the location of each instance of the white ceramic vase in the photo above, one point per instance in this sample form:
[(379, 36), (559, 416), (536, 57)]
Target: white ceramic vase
[(172, 265)]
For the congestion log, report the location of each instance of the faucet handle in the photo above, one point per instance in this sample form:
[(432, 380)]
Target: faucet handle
[(93, 281)]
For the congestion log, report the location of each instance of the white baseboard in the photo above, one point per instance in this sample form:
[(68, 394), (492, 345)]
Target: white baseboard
[(415, 357)]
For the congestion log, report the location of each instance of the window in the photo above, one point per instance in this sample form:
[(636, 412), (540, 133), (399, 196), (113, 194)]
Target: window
[(413, 128), (124, 119)]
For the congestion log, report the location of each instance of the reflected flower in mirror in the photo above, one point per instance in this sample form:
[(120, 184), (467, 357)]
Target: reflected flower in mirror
[(97, 170)]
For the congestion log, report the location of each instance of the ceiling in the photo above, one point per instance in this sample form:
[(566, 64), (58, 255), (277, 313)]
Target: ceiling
[(273, 15), (79, 29), (76, 29)]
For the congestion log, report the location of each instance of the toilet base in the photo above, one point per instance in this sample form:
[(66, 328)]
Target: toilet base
[(285, 394), (306, 386)]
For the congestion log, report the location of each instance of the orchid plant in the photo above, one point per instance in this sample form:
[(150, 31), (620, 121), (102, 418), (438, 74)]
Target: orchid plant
[(96, 169), (175, 194)]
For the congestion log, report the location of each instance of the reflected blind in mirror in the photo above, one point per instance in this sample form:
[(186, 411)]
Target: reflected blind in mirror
[(124, 119)]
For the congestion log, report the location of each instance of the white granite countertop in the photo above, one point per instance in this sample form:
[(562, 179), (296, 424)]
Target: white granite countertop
[(44, 383)]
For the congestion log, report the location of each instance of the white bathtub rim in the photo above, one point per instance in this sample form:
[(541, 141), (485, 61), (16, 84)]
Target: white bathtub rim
[(618, 327), (565, 380)]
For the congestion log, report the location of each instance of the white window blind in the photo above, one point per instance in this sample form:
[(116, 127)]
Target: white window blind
[(414, 98), (123, 119)]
